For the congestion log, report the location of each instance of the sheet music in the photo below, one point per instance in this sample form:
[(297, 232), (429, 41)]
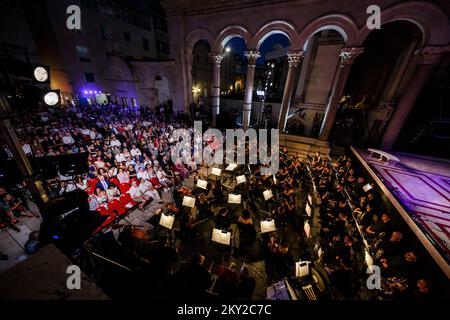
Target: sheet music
[(308, 210), (221, 237), (367, 187), (231, 167), (302, 268), (216, 171), (167, 221), (202, 184), (234, 198), (241, 179), (188, 201), (268, 226), (307, 229), (268, 194)]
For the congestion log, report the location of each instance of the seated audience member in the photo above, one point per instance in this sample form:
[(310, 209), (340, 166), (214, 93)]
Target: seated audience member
[(65, 187), (149, 190), (112, 192), (101, 196), (14, 208), (123, 176), (103, 183), (81, 183), (137, 195)]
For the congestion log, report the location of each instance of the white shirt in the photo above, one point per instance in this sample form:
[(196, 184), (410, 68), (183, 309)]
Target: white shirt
[(68, 188), (85, 132), (135, 192), (93, 204), (153, 194), (26, 148), (120, 157), (115, 143), (143, 175), (135, 152), (68, 140)]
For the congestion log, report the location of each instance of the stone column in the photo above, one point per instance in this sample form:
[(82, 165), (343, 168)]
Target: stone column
[(189, 57), (346, 59), (429, 58), (251, 55), (216, 59), (294, 58)]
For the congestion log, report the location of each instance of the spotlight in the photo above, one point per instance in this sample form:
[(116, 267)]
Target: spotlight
[(85, 92), (41, 74), (95, 91), (227, 49), (90, 91), (51, 98)]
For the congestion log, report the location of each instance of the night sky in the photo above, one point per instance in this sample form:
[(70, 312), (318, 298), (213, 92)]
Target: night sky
[(238, 46)]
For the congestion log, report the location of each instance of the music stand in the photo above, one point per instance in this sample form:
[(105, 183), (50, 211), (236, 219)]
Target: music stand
[(202, 184), (221, 237), (367, 187), (241, 179), (268, 194), (167, 221), (234, 198), (302, 269), (188, 201), (268, 226)]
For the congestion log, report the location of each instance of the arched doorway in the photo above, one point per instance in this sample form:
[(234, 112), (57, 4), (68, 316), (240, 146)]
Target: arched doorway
[(314, 82), (376, 82)]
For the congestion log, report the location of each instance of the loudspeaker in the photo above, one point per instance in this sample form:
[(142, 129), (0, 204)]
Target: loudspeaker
[(67, 165), (73, 164), (67, 221)]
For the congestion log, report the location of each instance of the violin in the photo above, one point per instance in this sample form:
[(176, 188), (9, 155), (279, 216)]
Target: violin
[(172, 207), (185, 191)]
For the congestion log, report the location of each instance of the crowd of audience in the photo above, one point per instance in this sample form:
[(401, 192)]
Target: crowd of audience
[(128, 151), (129, 164)]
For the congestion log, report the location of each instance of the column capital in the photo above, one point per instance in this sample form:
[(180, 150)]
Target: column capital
[(294, 58), (216, 58), (252, 55), (431, 55), (349, 54)]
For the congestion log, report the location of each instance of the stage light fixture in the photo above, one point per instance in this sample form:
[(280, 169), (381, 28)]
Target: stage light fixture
[(51, 98), (41, 74)]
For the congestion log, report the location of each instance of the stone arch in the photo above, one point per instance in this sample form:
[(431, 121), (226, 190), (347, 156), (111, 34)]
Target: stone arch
[(118, 69), (228, 33), (430, 19), (276, 27), (195, 36), (338, 22)]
